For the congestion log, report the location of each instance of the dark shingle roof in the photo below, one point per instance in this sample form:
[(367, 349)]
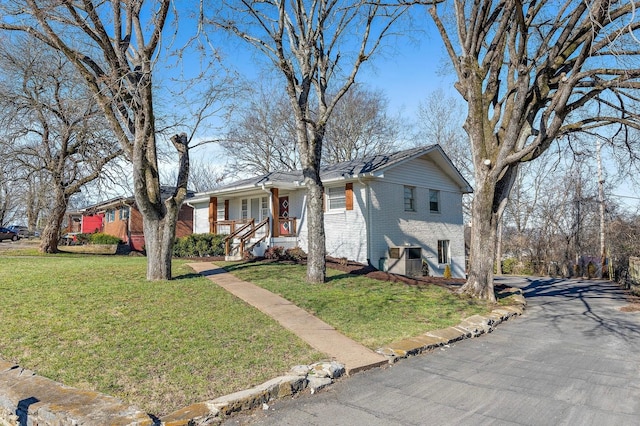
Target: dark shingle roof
[(356, 167), (349, 169), (369, 164)]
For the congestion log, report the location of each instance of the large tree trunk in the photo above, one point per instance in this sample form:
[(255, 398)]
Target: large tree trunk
[(51, 233), (482, 246), (316, 259), (499, 248), (316, 262), (160, 218), (158, 240)]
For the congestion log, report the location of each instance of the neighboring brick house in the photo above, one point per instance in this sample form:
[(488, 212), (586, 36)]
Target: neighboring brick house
[(120, 217), (378, 210)]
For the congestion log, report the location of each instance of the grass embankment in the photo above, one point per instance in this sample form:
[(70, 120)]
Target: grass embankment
[(95, 323), (369, 311)]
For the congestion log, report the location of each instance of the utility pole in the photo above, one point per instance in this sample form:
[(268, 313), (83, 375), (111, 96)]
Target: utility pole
[(603, 253)]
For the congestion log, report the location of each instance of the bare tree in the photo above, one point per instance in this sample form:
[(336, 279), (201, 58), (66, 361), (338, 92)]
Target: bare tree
[(8, 184), (114, 46), (359, 127), (525, 69), (204, 174), (318, 48), (440, 120), (262, 136), (54, 125), (624, 239)]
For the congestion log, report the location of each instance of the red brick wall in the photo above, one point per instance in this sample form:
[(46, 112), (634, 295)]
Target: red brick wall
[(184, 226), (117, 228)]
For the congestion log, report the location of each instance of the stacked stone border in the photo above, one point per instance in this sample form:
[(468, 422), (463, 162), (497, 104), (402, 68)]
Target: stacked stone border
[(473, 326), (32, 400)]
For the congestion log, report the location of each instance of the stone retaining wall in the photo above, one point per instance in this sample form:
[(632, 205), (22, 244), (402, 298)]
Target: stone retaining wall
[(30, 400), (472, 326), (27, 399)]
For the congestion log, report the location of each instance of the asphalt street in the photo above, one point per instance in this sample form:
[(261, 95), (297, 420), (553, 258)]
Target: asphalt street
[(573, 358)]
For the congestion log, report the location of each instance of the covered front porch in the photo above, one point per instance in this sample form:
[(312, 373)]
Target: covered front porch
[(254, 220)]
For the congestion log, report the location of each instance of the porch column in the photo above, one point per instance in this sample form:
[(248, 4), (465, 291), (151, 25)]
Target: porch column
[(213, 214), (275, 209)]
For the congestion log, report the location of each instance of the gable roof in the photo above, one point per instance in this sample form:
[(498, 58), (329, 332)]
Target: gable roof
[(371, 166)]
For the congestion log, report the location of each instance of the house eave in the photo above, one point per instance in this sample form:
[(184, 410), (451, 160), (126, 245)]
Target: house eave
[(244, 189), (354, 177), (110, 204)]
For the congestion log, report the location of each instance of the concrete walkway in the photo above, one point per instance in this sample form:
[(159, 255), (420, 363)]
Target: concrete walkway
[(316, 333), (573, 358)]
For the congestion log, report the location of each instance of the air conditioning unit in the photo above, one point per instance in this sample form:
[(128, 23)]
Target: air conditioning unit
[(405, 260)]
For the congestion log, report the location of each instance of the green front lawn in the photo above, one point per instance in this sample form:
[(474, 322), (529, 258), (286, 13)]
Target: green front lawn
[(95, 323), (369, 311)]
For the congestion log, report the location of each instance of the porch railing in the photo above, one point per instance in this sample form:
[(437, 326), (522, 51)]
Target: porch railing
[(229, 226), (244, 233), (263, 224), (287, 226)]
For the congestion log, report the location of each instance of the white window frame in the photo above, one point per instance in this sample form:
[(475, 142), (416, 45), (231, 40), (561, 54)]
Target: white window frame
[(409, 201), (124, 213), (336, 198), (264, 208), (444, 255), (220, 211), (436, 193), (244, 209)]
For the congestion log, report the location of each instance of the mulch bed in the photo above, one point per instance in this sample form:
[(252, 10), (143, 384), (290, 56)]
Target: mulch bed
[(371, 272)]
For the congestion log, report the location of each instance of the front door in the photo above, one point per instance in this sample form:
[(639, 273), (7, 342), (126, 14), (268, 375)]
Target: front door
[(255, 209), (285, 225)]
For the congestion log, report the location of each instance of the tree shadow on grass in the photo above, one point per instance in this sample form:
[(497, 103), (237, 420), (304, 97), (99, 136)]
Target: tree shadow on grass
[(187, 276)]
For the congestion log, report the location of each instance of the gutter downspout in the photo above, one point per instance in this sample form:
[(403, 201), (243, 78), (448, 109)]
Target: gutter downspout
[(367, 217)]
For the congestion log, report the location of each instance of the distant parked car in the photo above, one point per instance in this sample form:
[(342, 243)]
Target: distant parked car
[(22, 231), (69, 239), (8, 234)]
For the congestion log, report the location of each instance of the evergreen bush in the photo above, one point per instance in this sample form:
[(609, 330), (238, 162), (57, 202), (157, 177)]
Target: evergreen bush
[(101, 238), (447, 272), (199, 245)]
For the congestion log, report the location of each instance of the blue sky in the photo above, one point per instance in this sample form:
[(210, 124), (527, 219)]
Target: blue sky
[(407, 70)]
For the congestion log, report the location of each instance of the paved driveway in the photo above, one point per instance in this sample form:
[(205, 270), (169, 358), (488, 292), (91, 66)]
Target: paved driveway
[(573, 358)]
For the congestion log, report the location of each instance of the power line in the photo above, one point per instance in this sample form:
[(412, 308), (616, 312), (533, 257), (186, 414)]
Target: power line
[(625, 196)]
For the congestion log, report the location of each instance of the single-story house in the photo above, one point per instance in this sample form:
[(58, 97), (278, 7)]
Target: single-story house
[(400, 212), (120, 217)]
